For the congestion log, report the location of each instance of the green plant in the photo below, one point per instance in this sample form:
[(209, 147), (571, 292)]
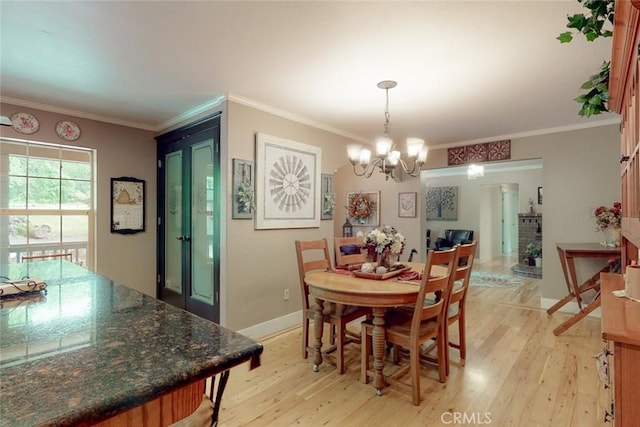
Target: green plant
[(534, 251), (593, 25)]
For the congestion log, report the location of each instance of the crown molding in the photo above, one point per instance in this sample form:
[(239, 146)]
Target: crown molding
[(194, 112), (219, 100), (296, 118), (559, 129), (75, 113)]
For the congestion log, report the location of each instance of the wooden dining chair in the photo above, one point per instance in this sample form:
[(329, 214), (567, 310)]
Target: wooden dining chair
[(458, 299), (349, 253), (427, 320), (336, 315)]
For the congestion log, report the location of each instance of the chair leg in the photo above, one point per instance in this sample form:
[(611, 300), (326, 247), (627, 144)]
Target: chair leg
[(414, 361), (463, 339), (365, 350), (332, 335), (340, 347), (443, 350), (305, 336)]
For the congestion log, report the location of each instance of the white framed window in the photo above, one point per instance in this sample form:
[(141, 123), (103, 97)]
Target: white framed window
[(46, 201)]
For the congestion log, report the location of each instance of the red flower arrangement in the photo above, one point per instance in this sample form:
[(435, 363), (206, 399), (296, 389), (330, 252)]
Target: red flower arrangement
[(608, 217)]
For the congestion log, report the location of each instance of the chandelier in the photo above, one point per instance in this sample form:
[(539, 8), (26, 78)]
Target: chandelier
[(387, 157), (475, 171)]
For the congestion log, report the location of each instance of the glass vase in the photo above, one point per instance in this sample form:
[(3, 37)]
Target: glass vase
[(613, 236), (385, 259)]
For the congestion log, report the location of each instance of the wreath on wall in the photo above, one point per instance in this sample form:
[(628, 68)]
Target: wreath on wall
[(360, 207)]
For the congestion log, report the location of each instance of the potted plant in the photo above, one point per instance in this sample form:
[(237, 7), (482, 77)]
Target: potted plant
[(535, 254)]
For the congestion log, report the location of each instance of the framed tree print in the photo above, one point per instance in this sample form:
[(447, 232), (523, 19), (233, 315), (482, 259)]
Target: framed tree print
[(127, 205), (442, 203), (287, 183)]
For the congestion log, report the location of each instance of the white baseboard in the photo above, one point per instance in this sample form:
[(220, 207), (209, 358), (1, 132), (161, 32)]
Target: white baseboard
[(273, 326), (571, 307)]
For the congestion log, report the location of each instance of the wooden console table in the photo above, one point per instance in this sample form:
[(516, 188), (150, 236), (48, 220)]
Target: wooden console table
[(567, 253)]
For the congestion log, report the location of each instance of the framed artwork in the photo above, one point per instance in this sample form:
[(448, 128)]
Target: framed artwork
[(363, 208), (539, 195), (407, 205), (127, 205), (243, 192), (287, 183), (442, 203), (328, 196)]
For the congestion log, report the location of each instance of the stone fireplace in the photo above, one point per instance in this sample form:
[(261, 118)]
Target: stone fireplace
[(529, 231)]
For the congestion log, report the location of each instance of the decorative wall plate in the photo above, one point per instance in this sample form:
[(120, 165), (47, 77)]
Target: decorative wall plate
[(25, 123), (69, 131)]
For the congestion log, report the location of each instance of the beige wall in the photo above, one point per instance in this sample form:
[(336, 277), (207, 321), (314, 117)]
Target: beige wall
[(120, 151), (262, 263), (580, 172)]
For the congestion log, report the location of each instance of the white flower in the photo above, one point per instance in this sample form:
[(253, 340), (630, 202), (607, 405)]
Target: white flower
[(385, 238)]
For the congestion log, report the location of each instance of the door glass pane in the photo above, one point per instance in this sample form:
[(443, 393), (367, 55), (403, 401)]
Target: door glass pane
[(173, 222), (202, 222)]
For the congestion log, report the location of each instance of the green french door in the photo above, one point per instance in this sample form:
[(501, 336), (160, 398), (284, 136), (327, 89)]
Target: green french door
[(188, 218)]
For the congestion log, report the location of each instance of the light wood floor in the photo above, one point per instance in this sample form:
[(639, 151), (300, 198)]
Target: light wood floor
[(517, 374)]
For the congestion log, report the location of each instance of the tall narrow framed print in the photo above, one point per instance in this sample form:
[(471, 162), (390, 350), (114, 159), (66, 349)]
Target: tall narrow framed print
[(328, 196), (127, 205), (243, 192), (287, 183)]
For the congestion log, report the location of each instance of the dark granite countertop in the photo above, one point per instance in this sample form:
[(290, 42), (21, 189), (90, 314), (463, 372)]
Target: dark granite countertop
[(90, 348)]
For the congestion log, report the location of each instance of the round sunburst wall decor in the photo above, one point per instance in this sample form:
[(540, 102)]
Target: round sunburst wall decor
[(289, 183)]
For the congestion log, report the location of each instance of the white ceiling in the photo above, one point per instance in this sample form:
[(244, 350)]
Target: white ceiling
[(466, 71)]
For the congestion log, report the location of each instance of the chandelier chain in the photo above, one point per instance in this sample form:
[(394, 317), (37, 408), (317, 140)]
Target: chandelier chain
[(387, 115)]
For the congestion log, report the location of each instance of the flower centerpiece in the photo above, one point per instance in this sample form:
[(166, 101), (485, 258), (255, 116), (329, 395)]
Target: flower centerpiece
[(384, 241), (609, 220)]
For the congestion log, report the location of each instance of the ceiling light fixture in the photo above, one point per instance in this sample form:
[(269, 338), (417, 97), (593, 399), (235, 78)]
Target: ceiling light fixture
[(387, 157), (5, 121), (475, 171)]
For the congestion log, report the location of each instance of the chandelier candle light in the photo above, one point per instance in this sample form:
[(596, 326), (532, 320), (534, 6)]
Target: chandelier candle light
[(387, 157)]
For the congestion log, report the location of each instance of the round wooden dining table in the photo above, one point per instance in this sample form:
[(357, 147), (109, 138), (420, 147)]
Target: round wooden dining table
[(377, 294)]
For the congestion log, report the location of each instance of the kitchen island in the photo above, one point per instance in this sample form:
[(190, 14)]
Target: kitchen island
[(89, 351)]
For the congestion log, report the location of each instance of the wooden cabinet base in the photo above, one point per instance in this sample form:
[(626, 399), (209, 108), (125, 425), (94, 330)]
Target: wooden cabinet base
[(626, 373), (621, 327), (162, 411)]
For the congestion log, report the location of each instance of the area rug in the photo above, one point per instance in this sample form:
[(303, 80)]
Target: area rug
[(490, 280)]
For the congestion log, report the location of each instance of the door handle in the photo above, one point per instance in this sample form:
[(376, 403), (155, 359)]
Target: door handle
[(184, 238)]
